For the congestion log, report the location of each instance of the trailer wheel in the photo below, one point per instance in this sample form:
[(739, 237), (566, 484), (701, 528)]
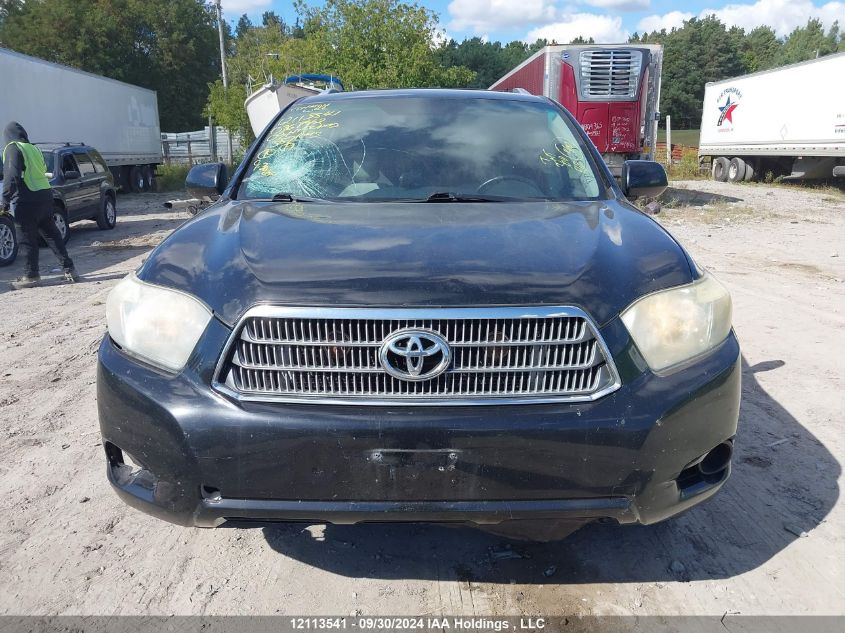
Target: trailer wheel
[(749, 172), (136, 179), (736, 170), (149, 178), (720, 168)]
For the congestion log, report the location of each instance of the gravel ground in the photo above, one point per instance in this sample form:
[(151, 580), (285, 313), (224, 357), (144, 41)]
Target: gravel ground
[(772, 542)]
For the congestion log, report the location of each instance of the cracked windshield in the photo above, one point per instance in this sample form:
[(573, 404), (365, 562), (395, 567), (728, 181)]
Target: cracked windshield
[(408, 149)]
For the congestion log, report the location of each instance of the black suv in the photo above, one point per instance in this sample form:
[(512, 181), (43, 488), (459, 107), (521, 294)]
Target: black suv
[(420, 305), (83, 189)]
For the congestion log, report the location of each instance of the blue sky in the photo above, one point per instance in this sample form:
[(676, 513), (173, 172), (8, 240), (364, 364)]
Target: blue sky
[(604, 20)]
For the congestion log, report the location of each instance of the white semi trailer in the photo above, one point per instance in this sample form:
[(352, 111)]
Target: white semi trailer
[(58, 104), (789, 121)]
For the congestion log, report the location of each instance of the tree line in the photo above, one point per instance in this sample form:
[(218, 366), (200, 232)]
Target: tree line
[(165, 45), (705, 50), (171, 46)]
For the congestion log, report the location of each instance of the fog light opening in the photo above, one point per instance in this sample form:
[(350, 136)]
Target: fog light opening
[(126, 469), (717, 460), (113, 454), (132, 463), (210, 493)]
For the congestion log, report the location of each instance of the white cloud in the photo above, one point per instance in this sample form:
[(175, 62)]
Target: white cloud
[(481, 16), (604, 29), (782, 15), (620, 5), (235, 8), (673, 19)]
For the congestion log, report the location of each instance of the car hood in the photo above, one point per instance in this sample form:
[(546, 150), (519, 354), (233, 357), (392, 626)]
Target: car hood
[(599, 256)]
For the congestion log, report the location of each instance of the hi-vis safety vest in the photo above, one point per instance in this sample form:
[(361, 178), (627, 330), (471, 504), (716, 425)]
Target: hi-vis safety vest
[(34, 168)]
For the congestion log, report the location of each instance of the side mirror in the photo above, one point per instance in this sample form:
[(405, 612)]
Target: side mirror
[(643, 179), (207, 180), (71, 175)]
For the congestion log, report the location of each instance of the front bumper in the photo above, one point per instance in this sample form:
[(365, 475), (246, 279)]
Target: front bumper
[(205, 459)]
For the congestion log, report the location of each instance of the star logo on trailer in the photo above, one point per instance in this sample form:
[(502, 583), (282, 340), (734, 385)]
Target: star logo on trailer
[(727, 111)]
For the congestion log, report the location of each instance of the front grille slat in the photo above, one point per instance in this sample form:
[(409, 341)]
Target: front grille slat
[(494, 359)]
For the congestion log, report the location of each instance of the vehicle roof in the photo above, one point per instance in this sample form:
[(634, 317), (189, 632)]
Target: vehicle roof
[(54, 145), (430, 93)]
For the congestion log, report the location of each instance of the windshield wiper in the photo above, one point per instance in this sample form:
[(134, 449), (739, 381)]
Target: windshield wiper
[(284, 196), (448, 196)]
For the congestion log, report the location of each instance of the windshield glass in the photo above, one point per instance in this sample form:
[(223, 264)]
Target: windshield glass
[(407, 148)]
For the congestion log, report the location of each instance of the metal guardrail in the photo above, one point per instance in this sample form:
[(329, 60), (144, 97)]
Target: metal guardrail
[(200, 146)]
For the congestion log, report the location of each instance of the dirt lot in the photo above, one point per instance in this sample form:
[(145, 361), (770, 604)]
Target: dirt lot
[(773, 542)]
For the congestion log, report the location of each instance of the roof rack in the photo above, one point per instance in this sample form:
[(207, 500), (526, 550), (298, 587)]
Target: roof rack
[(520, 91), (63, 143)]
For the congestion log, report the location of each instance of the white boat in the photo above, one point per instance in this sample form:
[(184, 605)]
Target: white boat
[(264, 104)]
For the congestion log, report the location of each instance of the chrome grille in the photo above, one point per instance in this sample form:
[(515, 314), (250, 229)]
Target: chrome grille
[(610, 72), (498, 354)]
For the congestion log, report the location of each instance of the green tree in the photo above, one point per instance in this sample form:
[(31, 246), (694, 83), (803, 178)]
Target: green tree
[(243, 27), (809, 42), (9, 7), (271, 20), (226, 107), (760, 49), (167, 45), (701, 51), (488, 60), (374, 44)]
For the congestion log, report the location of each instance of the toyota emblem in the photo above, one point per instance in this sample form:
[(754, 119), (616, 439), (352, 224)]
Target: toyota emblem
[(415, 355)]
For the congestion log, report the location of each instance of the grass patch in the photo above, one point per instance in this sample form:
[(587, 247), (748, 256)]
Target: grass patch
[(680, 137), (684, 169), (171, 177)]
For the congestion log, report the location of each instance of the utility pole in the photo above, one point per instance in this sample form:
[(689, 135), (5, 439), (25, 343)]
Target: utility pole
[(225, 74)]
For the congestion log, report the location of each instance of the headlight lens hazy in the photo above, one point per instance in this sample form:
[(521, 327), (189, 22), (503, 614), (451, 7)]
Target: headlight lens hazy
[(158, 325), (677, 324)]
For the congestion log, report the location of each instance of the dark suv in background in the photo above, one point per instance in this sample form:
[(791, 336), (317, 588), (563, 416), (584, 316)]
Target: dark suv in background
[(83, 189)]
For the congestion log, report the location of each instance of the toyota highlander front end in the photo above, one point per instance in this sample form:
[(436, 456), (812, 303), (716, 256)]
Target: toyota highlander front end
[(420, 306)]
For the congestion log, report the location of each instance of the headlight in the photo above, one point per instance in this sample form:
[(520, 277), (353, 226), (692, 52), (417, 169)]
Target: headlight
[(156, 324), (677, 324)]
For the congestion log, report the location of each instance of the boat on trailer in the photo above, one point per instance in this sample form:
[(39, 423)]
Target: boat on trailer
[(264, 104)]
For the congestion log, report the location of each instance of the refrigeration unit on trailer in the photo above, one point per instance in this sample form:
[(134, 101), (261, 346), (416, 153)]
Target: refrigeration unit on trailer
[(58, 104), (787, 121), (613, 90)]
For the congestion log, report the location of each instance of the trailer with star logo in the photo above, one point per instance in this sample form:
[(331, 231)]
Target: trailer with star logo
[(787, 122)]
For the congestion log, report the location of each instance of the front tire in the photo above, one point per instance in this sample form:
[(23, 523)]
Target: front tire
[(107, 216), (8, 241), (736, 170), (60, 220), (720, 169)]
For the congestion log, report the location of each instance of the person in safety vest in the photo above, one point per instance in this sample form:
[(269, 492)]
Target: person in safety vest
[(27, 193)]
